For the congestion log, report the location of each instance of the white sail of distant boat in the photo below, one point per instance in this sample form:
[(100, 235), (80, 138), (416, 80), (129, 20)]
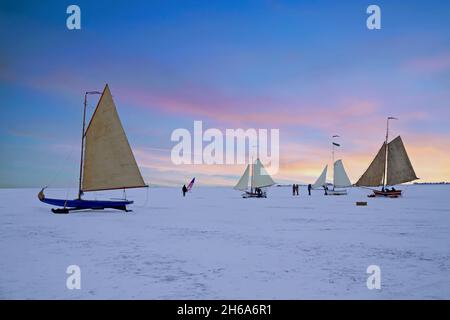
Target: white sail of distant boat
[(340, 180), (255, 177), (340, 177), (261, 177), (391, 166), (321, 180), (242, 184)]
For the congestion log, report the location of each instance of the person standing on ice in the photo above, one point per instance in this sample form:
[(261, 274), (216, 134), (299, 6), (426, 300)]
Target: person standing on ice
[(296, 189), (184, 189), (293, 189), (309, 189)]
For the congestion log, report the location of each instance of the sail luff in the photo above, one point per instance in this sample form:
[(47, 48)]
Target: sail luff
[(242, 184), (373, 176), (399, 168), (109, 162)]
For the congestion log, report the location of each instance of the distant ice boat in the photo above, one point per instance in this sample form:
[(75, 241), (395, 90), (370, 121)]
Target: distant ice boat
[(340, 177), (340, 180), (391, 166), (258, 178), (107, 161)]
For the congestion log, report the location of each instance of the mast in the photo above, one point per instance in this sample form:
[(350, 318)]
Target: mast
[(332, 164), (80, 192), (252, 172), (82, 147), (252, 183), (386, 153)]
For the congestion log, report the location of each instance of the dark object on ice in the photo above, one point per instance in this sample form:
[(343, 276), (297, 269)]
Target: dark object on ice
[(295, 189), (386, 193), (258, 193), (184, 189), (309, 189), (361, 203)]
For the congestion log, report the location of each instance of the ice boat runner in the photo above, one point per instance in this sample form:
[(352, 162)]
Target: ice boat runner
[(258, 178), (107, 161), (391, 166)]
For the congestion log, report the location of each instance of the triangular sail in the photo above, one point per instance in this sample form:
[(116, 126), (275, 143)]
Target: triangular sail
[(321, 181), (399, 169), (261, 178), (373, 177), (340, 178), (191, 184), (243, 181), (108, 160)]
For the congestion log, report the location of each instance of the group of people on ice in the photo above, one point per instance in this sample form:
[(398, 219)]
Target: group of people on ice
[(295, 189)]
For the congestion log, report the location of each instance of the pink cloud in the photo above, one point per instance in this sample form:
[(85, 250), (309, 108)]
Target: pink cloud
[(433, 64)]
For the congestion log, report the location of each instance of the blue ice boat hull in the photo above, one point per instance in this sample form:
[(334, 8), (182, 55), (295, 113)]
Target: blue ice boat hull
[(80, 204)]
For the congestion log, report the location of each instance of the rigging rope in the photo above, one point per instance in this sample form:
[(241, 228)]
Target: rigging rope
[(146, 199), (60, 168)]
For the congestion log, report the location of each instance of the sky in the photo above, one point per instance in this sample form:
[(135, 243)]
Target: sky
[(311, 69)]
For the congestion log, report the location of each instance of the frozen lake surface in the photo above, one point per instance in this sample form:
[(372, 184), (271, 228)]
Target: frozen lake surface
[(215, 245)]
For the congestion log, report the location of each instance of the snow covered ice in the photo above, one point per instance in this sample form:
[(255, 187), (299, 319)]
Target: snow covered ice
[(215, 245)]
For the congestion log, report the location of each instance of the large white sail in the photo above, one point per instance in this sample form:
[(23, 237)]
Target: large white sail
[(108, 160), (399, 168), (243, 181), (321, 181), (261, 178), (373, 177), (340, 177)]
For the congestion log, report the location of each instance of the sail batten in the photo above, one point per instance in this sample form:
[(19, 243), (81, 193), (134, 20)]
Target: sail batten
[(340, 177), (399, 167), (109, 162), (373, 177)]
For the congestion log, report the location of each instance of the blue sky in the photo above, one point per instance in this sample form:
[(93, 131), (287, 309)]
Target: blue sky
[(309, 68)]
